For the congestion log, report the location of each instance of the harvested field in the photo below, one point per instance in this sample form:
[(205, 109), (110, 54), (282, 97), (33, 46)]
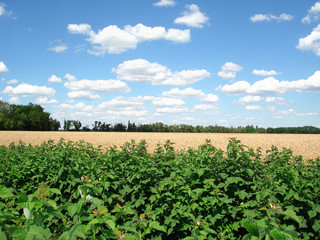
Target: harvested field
[(307, 145)]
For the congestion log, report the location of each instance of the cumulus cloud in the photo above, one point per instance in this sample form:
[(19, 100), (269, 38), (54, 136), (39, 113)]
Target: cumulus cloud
[(14, 100), (12, 81), (167, 102), (311, 42), (124, 107), (208, 109), (229, 70), (253, 108), (270, 17), (80, 29), (192, 17), (115, 40), (313, 14), (249, 99), (277, 100), (27, 90), (45, 100), (271, 86), (171, 110), (83, 95), (70, 77), (55, 79), (98, 86), (165, 3), (3, 11), (264, 72), (287, 112), (140, 70), (191, 93), (60, 47), (3, 68)]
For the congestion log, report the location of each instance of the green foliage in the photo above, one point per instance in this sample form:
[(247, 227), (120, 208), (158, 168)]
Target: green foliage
[(71, 190), (26, 117)]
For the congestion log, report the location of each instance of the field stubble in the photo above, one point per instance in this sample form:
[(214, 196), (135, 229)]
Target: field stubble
[(307, 145)]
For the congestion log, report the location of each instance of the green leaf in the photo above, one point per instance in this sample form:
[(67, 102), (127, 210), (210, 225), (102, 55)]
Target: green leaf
[(5, 192), (3, 236), (251, 227), (316, 226), (291, 214), (37, 233), (26, 213), (157, 226), (55, 190), (277, 235), (111, 224), (312, 214)]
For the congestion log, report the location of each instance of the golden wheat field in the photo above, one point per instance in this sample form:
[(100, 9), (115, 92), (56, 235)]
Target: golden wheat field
[(307, 145)]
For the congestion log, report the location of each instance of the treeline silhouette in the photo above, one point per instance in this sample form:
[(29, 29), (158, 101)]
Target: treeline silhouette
[(32, 117), (98, 126)]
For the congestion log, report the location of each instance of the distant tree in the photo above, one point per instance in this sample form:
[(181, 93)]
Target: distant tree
[(54, 124), (119, 127), (76, 124)]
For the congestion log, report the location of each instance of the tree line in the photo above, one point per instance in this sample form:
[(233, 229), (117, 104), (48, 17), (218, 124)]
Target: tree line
[(98, 126), (32, 117)]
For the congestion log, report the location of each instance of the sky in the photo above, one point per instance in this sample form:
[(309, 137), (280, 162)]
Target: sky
[(197, 62)]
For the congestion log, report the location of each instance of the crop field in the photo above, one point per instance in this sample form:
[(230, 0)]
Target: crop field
[(61, 189), (307, 145)]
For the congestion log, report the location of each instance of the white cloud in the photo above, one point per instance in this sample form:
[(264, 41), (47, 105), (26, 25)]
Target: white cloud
[(70, 77), (98, 86), (313, 14), (171, 110), (115, 40), (167, 102), (3, 11), (59, 48), (253, 108), (14, 100), (208, 109), (272, 86), (210, 98), (80, 29), (185, 93), (190, 92), (311, 42), (192, 17), (239, 87), (165, 3), (45, 100), (229, 70), (27, 90), (12, 81), (3, 68), (249, 99), (121, 102), (140, 70), (307, 114), (264, 72), (83, 95), (271, 108), (288, 112), (54, 79), (277, 100), (270, 17)]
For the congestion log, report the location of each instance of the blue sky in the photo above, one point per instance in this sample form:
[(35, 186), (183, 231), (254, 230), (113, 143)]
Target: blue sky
[(230, 63)]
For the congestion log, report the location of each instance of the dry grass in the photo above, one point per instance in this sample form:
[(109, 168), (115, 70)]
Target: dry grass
[(302, 144)]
